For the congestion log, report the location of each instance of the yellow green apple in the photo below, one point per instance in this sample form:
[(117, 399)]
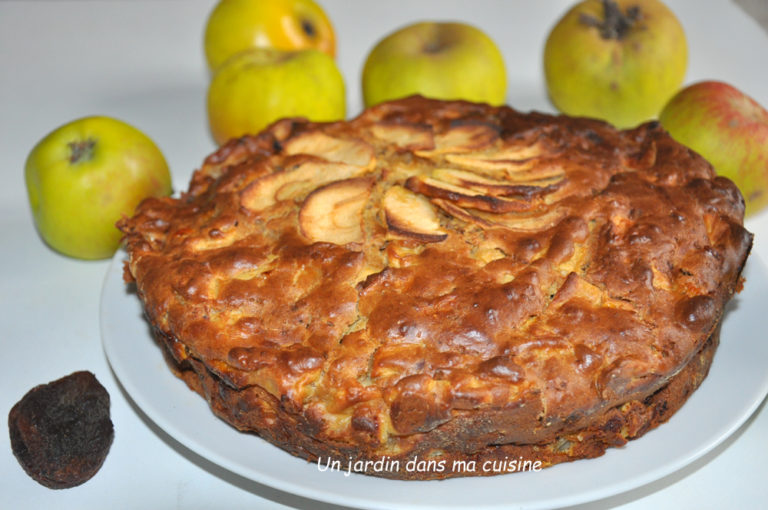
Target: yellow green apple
[(87, 174), (256, 87), (729, 129), (439, 60), (616, 60), (237, 25)]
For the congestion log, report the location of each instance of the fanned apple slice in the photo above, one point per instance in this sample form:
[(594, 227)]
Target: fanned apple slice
[(466, 197), (337, 150), (524, 171), (486, 164), (460, 213), (467, 137), (550, 171), (405, 136), (333, 213), (514, 222), (289, 184), (521, 151), (509, 159), (495, 187), (411, 215), (541, 220), (465, 177)]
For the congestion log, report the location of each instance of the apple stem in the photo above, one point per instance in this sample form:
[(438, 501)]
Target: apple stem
[(81, 150), (433, 47), (615, 24)]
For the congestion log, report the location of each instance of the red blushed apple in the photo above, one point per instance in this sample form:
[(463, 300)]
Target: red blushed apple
[(728, 128)]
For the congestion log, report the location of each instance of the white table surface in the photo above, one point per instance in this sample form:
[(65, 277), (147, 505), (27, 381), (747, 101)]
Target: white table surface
[(142, 61)]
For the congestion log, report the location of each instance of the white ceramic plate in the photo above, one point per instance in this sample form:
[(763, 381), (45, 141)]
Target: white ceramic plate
[(737, 383)]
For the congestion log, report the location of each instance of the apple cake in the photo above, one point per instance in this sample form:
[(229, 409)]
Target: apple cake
[(437, 287)]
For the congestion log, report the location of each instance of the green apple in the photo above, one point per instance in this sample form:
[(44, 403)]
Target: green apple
[(236, 25), (616, 60), (436, 60), (84, 176), (259, 86), (729, 129)]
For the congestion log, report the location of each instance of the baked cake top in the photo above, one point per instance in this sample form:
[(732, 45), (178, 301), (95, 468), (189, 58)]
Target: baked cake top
[(429, 260)]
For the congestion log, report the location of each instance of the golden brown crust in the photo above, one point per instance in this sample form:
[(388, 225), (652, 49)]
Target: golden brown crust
[(441, 278)]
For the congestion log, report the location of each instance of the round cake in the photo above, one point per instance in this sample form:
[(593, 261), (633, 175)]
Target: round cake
[(446, 285)]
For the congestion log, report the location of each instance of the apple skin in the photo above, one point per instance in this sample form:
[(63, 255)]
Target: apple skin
[(624, 80), (259, 86), (77, 199), (729, 129), (237, 25), (435, 60)]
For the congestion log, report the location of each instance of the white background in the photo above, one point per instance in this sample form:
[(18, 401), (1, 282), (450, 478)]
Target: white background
[(142, 61)]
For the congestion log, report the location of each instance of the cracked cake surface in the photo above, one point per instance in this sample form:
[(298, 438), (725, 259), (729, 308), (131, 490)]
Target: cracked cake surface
[(442, 280)]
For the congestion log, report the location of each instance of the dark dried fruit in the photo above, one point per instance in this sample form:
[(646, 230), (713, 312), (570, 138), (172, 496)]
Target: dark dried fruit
[(61, 431)]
